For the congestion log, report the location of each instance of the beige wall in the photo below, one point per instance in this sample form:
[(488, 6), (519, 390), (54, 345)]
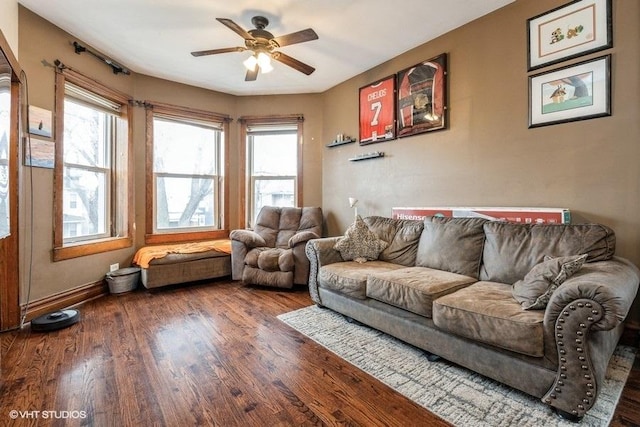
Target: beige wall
[(488, 156), (40, 40), (9, 23)]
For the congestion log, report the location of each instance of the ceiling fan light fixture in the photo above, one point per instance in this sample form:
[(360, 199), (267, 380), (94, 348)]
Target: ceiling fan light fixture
[(262, 45), (264, 61), (250, 63)]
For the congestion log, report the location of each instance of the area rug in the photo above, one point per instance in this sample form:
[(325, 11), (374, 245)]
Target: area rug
[(455, 394)]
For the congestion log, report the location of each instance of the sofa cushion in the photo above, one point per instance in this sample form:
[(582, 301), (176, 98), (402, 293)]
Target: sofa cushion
[(251, 259), (452, 244), (511, 250), (270, 259), (487, 312), (534, 291), (401, 234), (414, 288), (360, 242), (350, 278)]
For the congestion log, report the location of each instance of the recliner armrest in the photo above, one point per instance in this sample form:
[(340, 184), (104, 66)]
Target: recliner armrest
[(248, 237), (302, 237)]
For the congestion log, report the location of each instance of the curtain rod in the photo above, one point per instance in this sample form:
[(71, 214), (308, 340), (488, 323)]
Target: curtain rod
[(117, 68)]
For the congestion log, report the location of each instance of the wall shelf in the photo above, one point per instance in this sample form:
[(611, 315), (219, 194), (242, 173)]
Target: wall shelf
[(338, 143), (367, 156)]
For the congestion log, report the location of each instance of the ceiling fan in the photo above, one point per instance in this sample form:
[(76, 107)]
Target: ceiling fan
[(263, 44)]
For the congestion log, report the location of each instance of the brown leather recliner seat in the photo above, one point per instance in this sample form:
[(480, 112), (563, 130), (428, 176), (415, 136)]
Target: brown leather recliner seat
[(273, 253)]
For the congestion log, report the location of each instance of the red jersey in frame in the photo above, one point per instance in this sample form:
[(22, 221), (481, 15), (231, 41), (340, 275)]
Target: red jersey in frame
[(377, 111), (422, 97)]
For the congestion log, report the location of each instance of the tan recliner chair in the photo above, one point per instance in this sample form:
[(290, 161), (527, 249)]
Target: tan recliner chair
[(273, 253)]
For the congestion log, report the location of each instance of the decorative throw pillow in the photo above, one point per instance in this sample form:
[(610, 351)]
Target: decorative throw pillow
[(535, 290), (359, 242)]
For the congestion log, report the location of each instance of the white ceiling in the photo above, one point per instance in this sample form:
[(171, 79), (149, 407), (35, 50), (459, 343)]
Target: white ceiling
[(155, 37)]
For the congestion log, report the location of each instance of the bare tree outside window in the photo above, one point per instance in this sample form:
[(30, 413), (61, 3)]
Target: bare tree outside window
[(185, 169), (87, 159)]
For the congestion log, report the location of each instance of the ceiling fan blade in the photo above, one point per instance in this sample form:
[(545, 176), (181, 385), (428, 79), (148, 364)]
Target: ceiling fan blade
[(235, 27), (297, 37), (252, 75), (293, 63), (216, 51)]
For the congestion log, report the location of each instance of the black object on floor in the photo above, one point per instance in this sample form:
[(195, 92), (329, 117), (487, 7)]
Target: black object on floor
[(55, 320)]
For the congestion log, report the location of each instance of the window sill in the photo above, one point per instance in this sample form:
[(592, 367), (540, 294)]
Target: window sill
[(77, 250), (153, 239)]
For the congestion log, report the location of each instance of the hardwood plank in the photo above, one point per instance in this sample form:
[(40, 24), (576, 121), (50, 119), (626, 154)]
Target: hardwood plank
[(204, 354), (628, 410)]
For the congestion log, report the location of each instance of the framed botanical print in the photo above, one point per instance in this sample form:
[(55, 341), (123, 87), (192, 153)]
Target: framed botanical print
[(421, 97), (575, 92), (575, 29), (378, 111)]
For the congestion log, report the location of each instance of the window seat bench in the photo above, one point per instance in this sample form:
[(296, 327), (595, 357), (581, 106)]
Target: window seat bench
[(163, 265)]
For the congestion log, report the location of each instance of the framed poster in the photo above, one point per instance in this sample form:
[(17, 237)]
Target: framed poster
[(577, 28), (575, 92), (39, 153), (378, 111), (421, 99), (40, 121)]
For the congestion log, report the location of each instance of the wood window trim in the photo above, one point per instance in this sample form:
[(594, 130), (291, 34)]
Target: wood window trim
[(182, 113), (9, 245), (60, 250), (246, 121)]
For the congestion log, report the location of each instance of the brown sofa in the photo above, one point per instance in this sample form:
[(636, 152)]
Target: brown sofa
[(457, 288), (273, 253)]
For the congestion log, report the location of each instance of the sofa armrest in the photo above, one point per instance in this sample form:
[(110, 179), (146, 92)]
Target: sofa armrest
[(302, 237), (611, 284), (320, 252), (596, 298), (248, 237)]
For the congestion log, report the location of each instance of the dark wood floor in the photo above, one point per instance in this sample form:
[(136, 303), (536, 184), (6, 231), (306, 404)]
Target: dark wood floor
[(206, 354)]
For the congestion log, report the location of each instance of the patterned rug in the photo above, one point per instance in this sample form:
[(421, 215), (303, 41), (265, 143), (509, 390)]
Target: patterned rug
[(458, 395)]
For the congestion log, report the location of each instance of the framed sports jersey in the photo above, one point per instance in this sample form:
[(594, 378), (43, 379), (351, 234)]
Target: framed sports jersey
[(421, 96), (378, 111)]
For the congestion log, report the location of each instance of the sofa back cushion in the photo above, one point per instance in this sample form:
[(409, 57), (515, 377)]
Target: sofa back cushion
[(452, 244), (512, 250), (402, 235)]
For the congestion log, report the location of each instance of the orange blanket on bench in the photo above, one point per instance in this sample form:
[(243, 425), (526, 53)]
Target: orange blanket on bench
[(146, 254)]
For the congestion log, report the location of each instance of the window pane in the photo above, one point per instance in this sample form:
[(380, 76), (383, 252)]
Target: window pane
[(5, 126), (183, 148), (184, 202), (275, 155), (273, 192), (85, 135), (85, 206)]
